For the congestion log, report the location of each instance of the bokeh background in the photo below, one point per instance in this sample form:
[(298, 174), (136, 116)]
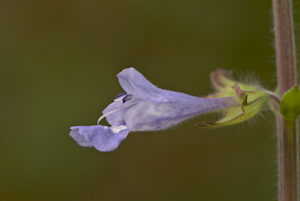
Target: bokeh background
[(58, 66)]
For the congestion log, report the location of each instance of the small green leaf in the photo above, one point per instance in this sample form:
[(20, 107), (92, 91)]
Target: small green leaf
[(290, 104)]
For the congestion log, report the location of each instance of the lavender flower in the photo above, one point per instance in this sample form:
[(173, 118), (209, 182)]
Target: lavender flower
[(143, 107)]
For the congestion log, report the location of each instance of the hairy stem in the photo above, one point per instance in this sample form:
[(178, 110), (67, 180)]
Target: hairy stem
[(286, 75), (288, 160), (284, 44)]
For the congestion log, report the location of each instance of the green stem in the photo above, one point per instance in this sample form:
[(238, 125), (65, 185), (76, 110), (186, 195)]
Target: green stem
[(286, 75)]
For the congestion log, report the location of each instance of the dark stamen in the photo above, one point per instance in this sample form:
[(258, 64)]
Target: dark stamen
[(120, 95), (127, 98)]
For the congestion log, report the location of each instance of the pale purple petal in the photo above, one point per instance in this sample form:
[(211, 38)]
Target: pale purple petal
[(125, 82), (80, 139), (103, 138), (133, 82), (117, 118)]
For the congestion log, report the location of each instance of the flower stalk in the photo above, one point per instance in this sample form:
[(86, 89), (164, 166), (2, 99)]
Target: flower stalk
[(286, 76)]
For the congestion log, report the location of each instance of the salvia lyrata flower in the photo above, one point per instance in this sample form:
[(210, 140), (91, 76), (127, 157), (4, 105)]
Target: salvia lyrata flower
[(143, 107)]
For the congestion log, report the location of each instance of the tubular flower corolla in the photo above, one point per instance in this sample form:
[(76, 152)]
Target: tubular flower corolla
[(143, 107)]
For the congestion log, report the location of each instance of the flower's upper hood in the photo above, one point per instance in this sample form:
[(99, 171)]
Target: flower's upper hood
[(133, 82)]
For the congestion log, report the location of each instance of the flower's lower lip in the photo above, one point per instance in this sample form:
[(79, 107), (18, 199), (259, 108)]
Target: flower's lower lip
[(106, 138)]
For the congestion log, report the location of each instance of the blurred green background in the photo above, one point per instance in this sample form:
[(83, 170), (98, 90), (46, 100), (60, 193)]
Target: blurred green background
[(58, 66)]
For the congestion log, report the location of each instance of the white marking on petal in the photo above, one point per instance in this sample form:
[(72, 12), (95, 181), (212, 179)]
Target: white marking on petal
[(120, 98), (117, 129)]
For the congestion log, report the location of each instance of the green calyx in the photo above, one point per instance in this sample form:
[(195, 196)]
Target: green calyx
[(221, 80), (251, 98), (290, 104)]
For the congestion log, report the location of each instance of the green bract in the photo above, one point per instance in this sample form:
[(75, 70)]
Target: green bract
[(290, 104), (252, 99)]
